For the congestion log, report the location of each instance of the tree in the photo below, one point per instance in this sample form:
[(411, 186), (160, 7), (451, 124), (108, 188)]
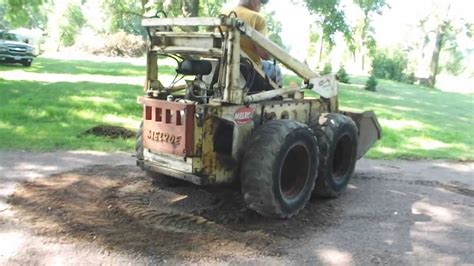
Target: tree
[(364, 28), (3, 22), (211, 8), (72, 23), (186, 8), (443, 28), (24, 13), (331, 18), (274, 29), (125, 15)]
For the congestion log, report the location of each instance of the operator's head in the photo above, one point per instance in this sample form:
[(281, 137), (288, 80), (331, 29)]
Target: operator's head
[(254, 5)]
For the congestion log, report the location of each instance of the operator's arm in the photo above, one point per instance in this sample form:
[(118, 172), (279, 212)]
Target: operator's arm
[(261, 26), (262, 53)]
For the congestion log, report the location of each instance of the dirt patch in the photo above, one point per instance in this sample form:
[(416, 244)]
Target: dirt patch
[(121, 210), (110, 131), (114, 215)]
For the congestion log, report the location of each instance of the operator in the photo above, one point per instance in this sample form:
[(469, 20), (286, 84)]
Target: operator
[(248, 12)]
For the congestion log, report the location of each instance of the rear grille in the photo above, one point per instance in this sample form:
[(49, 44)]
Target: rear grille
[(168, 127)]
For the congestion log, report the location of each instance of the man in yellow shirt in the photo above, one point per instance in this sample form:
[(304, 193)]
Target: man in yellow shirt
[(248, 12)]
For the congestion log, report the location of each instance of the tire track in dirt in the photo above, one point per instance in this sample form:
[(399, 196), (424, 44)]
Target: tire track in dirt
[(116, 208)]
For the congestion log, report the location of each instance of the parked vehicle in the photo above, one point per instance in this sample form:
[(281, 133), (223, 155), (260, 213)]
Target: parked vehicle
[(14, 50)]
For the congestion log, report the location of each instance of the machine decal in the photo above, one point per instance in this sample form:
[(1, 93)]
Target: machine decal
[(164, 137), (243, 115)]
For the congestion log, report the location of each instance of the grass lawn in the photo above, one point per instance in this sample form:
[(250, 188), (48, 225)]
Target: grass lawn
[(417, 122), (50, 114)]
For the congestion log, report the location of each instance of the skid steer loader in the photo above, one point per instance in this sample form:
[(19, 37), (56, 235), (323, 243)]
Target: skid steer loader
[(232, 124)]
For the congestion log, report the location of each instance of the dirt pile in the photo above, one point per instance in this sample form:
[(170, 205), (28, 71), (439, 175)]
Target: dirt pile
[(109, 131)]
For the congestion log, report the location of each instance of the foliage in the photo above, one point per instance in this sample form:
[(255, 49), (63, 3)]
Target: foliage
[(455, 64), (211, 8), (364, 31), (73, 22), (24, 13), (332, 18), (327, 69), (448, 28), (390, 65), (123, 44), (411, 79), (342, 75), (124, 15), (4, 24), (274, 29), (371, 6), (371, 84)]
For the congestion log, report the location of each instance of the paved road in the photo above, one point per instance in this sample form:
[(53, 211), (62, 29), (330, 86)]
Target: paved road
[(394, 212)]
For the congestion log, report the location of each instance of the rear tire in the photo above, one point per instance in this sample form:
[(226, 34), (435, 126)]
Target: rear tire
[(279, 168), (158, 179), (337, 138)]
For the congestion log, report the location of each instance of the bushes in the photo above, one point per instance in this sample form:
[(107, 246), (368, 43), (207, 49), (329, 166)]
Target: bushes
[(123, 44), (116, 44), (342, 76), (326, 70), (390, 65), (371, 84)]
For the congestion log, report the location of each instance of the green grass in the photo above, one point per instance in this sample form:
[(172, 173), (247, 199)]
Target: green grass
[(417, 122), (43, 116)]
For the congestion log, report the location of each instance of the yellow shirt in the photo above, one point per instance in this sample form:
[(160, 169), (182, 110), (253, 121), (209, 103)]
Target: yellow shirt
[(256, 21)]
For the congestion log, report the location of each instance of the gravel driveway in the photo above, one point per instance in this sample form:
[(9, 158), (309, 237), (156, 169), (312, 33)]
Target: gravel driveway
[(98, 208)]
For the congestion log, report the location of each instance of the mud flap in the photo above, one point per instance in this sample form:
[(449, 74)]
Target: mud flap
[(370, 130)]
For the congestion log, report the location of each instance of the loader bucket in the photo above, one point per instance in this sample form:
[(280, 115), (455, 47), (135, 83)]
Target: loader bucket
[(369, 130)]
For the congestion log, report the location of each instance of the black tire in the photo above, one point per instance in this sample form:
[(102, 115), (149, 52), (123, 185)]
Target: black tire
[(337, 139), (26, 63), (279, 168), (139, 143), (158, 179)]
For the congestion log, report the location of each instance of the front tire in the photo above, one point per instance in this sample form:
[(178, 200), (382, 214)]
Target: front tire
[(26, 63), (338, 137), (279, 168)]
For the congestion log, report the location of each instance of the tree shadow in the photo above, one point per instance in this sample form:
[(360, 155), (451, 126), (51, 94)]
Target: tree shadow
[(51, 116)]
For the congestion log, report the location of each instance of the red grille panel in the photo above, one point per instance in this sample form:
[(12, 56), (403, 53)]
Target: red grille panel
[(168, 127)]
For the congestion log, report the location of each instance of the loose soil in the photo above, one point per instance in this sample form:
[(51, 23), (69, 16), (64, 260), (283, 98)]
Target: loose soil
[(113, 132), (121, 211)]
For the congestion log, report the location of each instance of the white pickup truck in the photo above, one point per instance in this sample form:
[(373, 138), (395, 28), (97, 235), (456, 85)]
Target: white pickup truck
[(14, 50)]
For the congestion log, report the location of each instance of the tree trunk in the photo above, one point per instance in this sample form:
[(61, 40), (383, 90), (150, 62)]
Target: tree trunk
[(434, 66), (190, 8), (321, 47), (144, 3)]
